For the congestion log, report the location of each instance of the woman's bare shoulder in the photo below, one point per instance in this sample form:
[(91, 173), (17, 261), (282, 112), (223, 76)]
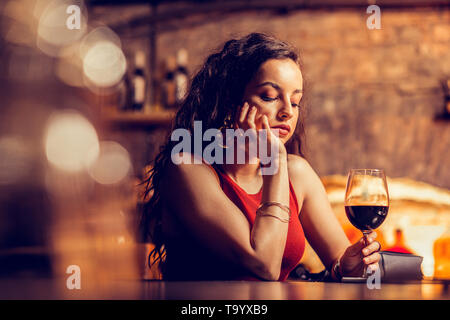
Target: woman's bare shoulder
[(189, 166), (298, 166), (299, 170), (302, 175)]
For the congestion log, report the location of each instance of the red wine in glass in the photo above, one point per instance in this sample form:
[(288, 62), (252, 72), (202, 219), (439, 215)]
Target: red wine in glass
[(366, 217), (366, 199)]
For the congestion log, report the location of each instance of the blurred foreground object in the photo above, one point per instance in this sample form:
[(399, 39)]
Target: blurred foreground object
[(442, 256)]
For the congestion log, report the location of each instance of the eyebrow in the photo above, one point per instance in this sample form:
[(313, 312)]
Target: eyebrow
[(274, 85)]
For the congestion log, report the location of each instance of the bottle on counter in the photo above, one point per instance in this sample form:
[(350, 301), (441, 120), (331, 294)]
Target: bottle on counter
[(169, 84), (139, 82), (124, 94), (181, 76)]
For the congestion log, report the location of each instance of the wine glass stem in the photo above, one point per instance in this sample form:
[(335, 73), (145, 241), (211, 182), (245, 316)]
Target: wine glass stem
[(366, 242)]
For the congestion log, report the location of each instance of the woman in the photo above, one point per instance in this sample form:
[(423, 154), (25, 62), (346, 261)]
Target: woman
[(227, 221)]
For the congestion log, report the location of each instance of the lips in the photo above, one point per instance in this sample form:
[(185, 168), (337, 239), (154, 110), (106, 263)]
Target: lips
[(283, 129)]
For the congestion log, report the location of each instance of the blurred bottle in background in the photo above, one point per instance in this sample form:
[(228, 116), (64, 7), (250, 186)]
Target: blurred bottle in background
[(181, 76), (441, 251), (399, 244), (169, 84), (124, 100), (139, 82)]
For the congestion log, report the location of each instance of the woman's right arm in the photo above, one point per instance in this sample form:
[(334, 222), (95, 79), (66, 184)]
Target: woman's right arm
[(268, 235), (218, 223)]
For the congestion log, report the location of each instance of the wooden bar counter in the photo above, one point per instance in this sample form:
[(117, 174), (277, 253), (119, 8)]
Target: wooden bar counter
[(221, 290), (292, 290)]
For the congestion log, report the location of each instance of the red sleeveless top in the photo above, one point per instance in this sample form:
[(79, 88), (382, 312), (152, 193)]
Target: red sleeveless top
[(248, 203), (189, 260)]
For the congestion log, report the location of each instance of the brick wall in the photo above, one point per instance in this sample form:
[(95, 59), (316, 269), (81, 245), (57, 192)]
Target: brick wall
[(372, 95)]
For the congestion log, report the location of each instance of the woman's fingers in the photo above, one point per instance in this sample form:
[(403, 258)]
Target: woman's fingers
[(373, 258), (372, 247), (373, 267), (251, 118), (265, 123), (370, 237), (243, 114), (362, 244), (247, 117)]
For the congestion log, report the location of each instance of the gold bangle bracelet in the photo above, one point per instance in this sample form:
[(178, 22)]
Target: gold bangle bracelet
[(274, 203), (264, 214)]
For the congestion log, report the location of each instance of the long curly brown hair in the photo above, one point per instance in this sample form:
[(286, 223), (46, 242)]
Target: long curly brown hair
[(215, 94)]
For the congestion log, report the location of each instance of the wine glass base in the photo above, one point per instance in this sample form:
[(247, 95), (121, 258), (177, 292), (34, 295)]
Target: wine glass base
[(353, 280)]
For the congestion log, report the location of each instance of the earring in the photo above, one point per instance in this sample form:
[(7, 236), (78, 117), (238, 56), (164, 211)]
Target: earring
[(227, 124)]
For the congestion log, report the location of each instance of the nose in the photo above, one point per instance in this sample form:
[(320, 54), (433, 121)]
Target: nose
[(286, 111)]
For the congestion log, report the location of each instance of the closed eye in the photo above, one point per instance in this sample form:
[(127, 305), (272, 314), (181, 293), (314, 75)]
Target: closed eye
[(268, 99), (265, 98)]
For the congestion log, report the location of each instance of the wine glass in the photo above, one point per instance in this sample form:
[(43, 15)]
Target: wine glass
[(366, 200)]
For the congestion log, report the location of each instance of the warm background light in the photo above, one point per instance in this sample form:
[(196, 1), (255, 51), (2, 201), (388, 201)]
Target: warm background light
[(104, 64), (421, 239), (96, 35), (69, 68), (71, 142), (15, 163), (53, 33), (112, 165), (22, 26)]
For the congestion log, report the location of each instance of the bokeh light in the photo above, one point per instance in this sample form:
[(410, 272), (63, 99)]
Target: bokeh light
[(98, 34), (53, 32), (112, 165), (71, 142), (104, 64), (19, 24)]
